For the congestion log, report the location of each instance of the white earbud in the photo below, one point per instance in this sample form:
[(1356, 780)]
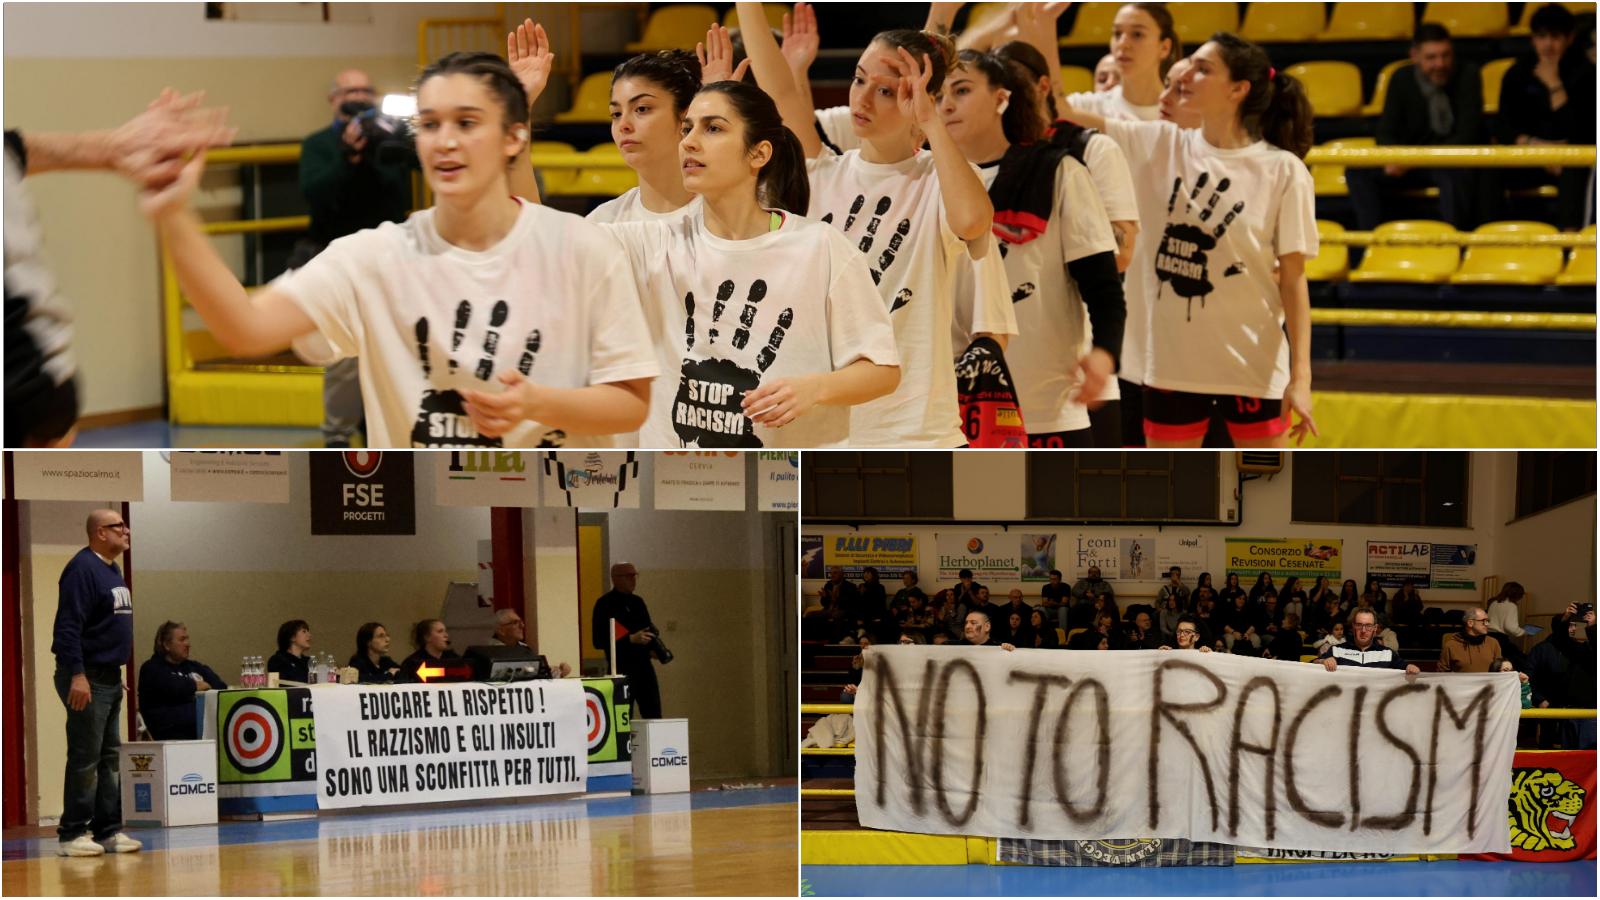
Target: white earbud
[(1004, 105), (522, 133)]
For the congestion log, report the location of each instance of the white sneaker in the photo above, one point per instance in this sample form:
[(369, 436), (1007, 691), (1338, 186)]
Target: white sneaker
[(121, 843), (82, 845)]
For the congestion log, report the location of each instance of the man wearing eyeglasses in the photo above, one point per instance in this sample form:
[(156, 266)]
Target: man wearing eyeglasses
[(1471, 649), (93, 638), (1363, 649)]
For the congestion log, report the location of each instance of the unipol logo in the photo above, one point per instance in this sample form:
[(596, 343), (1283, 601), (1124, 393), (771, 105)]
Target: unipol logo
[(362, 463)]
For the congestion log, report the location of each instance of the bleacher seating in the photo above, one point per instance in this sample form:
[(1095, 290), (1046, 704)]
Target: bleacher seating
[(1355, 21), (1469, 20), (1195, 22), (1274, 22), (674, 25), (1411, 265), (773, 11), (1332, 262), (1580, 270), (1380, 88), (1076, 79), (1328, 179), (1334, 88), (1092, 26), (1510, 265), (1494, 72), (591, 102)]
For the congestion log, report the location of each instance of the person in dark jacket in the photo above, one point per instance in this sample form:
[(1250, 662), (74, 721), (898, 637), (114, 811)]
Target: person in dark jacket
[(432, 641), (1548, 97), (1435, 101), (1573, 635), (168, 681), (291, 662), (1363, 649), (371, 659), (638, 638)]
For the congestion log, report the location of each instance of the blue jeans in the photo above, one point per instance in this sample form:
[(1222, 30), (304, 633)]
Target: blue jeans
[(92, 789)]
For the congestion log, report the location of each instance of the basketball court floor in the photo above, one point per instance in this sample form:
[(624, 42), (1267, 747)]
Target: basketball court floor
[(740, 842)]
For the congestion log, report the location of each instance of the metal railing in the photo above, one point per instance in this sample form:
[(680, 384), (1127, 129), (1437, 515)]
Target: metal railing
[(1453, 157)]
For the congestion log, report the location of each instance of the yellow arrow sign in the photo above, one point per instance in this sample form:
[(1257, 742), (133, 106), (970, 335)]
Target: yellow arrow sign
[(425, 671)]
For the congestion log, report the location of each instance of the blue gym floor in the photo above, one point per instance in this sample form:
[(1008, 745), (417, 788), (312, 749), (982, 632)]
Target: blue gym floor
[(1453, 878), (159, 434)]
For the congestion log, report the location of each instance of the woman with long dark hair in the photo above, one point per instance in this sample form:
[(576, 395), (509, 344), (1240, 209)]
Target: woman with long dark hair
[(1239, 206), (371, 659)]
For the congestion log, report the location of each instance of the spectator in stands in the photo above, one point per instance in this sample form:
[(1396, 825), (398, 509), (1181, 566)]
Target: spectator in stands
[(168, 681), (1141, 634), (1205, 611), (1320, 591), (348, 187), (1501, 664), (1547, 671), (1171, 611), (917, 616), (1173, 589), (1239, 629), (1017, 630), (873, 610), (1363, 649), (1320, 618), (908, 638), (1056, 598), (1093, 582), (976, 631), (967, 589), (1286, 643), (1268, 615), (1333, 638), (1292, 599), (857, 668), (1470, 649), (1044, 631), (1375, 596), (1433, 102), (1204, 581), (1388, 635), (1573, 635), (371, 659), (909, 590), (1015, 604), (841, 601), (1262, 585), (1189, 634), (996, 612), (1106, 625), (1349, 595), (1230, 590), (1407, 604), (1503, 610), (1548, 97), (948, 615), (432, 642), (1090, 639), (294, 642)]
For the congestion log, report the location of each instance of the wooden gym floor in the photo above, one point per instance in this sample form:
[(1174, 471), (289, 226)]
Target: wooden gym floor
[(742, 842)]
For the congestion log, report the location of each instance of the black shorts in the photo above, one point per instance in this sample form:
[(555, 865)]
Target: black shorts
[(1082, 438), (1182, 416)]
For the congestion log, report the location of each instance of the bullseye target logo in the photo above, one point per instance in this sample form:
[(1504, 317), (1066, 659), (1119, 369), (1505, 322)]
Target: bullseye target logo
[(362, 463), (598, 720), (253, 739)]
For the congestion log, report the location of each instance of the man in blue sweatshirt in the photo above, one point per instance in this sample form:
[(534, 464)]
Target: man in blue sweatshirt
[(93, 638)]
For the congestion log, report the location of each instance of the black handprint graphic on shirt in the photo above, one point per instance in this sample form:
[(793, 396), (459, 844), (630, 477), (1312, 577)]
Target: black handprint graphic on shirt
[(708, 412), (1181, 258), (869, 238), (441, 417)]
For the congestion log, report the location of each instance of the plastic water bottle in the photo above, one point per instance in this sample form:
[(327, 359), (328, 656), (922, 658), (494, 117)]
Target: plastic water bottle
[(258, 672)]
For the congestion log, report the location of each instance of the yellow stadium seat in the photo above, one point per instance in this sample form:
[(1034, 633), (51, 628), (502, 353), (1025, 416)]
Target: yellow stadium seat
[(1412, 265), (1334, 88), (1332, 262), (1072, 633), (1368, 22), (1329, 180), (673, 27), (1521, 29), (1076, 79), (773, 11), (1092, 27), (556, 181), (1510, 265), (1581, 266), (1283, 22), (1195, 22), (591, 102), (1061, 638), (605, 182), (1469, 20), (1380, 89), (1494, 72)]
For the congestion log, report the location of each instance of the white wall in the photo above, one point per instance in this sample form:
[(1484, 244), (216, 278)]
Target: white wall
[(1266, 513)]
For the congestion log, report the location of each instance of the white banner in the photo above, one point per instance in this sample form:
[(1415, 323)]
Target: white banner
[(778, 480), (387, 745), (230, 476), (700, 479), (1052, 744), (486, 478), (79, 475), (596, 479), (991, 555)]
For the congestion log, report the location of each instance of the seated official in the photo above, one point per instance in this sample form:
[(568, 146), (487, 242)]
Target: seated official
[(168, 681), (508, 632), (432, 641), (291, 662), (371, 660)]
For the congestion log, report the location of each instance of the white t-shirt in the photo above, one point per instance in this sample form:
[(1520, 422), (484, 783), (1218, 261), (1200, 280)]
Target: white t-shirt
[(427, 319), (727, 315), (627, 207), (1216, 315), (838, 129), (1108, 168), (893, 213), (1112, 105), (1052, 321)]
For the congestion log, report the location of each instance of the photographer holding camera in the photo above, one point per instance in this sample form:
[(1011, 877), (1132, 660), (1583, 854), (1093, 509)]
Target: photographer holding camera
[(638, 639), (349, 186)]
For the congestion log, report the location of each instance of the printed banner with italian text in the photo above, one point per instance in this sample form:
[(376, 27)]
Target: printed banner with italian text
[(890, 554), (700, 479), (486, 478), (992, 556), (94, 475), (230, 476), (1048, 744), (388, 745), (363, 492), (1283, 557), (778, 480)]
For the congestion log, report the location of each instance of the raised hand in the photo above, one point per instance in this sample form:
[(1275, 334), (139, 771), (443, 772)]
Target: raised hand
[(801, 40), (154, 147), (159, 201), (528, 51), (1036, 22), (911, 90), (716, 57)]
